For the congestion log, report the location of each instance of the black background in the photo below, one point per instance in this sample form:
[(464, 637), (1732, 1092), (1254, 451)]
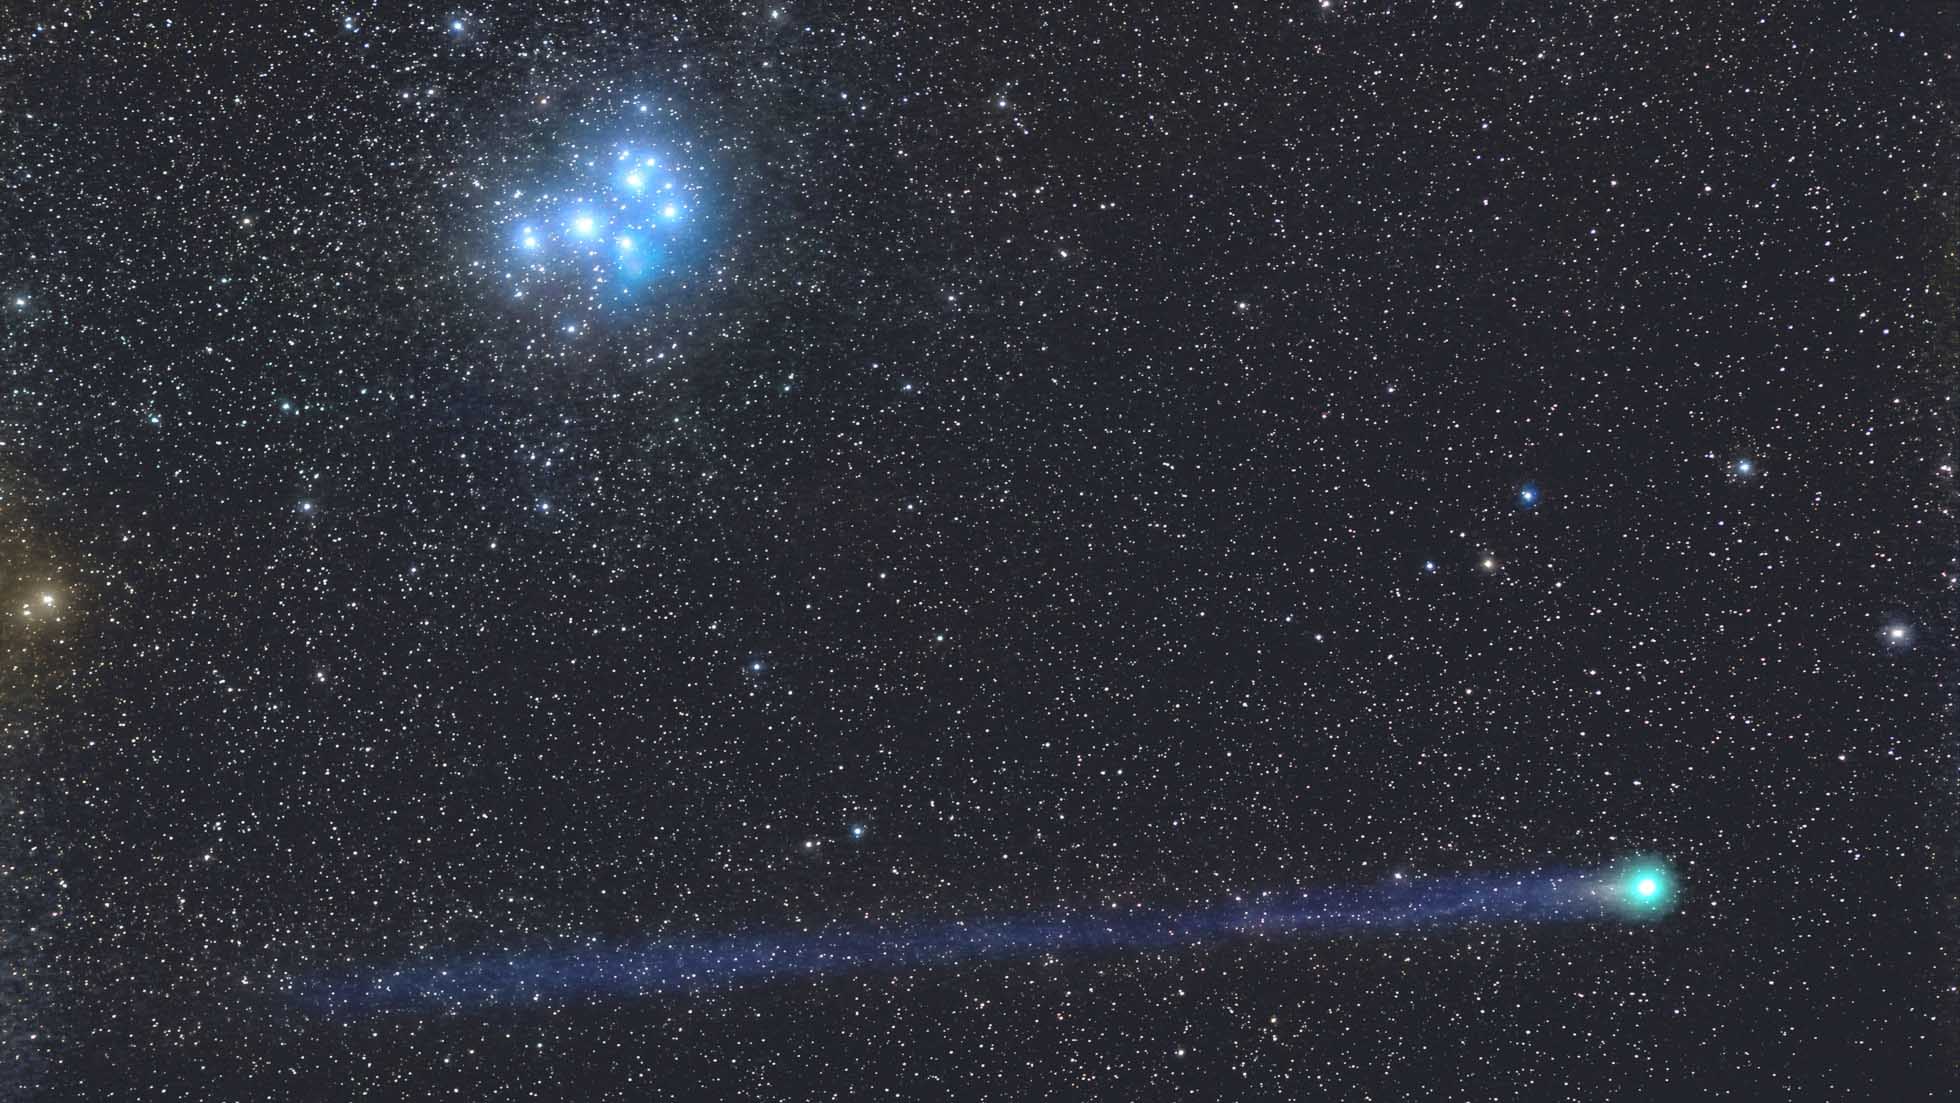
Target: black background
[(1035, 464)]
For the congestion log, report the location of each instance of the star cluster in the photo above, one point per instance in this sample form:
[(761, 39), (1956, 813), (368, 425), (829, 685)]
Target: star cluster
[(619, 226)]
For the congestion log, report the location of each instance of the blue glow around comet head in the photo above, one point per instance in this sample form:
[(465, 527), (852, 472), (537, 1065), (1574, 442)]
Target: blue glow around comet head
[(706, 962), (1645, 888)]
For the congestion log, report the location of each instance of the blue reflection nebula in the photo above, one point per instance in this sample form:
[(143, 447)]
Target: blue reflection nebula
[(707, 963)]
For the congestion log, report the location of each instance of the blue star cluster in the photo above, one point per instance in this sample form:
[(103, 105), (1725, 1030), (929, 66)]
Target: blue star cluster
[(604, 232)]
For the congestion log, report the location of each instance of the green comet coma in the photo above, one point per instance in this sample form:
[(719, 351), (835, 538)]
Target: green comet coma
[(1646, 887)]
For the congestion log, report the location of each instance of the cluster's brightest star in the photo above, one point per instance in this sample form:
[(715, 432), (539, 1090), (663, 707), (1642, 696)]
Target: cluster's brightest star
[(1527, 496)]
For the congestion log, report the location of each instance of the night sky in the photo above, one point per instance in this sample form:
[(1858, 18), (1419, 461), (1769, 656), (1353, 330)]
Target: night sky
[(539, 483)]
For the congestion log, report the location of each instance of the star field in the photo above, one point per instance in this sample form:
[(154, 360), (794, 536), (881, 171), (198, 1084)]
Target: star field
[(508, 483)]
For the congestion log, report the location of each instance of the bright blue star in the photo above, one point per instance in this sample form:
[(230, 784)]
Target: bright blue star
[(670, 211), (1527, 496), (584, 225), (857, 831)]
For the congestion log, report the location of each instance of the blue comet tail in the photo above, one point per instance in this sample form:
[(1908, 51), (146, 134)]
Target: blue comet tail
[(693, 964)]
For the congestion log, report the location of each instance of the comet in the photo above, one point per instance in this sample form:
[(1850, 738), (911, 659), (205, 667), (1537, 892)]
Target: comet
[(680, 966)]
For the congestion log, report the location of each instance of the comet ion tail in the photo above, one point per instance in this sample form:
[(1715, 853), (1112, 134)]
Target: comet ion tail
[(707, 961)]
